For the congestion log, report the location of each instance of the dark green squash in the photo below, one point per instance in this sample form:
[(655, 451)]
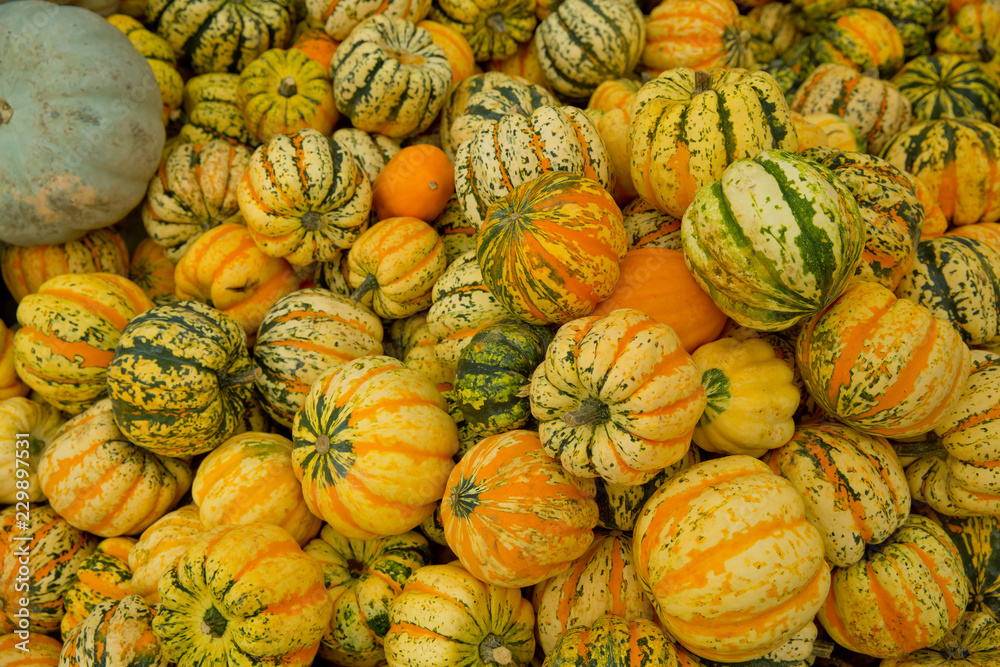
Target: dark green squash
[(978, 541), (946, 86)]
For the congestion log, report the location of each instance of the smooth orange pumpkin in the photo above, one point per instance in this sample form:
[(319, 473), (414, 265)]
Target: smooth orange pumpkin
[(416, 182)]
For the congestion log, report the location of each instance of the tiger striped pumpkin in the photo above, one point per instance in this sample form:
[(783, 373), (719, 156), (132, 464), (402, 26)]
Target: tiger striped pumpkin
[(105, 575), (860, 38)]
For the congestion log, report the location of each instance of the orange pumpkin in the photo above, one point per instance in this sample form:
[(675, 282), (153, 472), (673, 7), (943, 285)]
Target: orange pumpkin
[(316, 44), (416, 182), (695, 33)]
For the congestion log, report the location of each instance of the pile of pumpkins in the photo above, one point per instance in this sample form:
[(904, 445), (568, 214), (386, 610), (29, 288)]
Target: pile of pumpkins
[(438, 333)]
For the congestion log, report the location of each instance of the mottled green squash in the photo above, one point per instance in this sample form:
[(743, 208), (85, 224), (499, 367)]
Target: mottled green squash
[(977, 539), (946, 86)]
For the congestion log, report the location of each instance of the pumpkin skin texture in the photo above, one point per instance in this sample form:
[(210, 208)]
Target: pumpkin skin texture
[(923, 362), (373, 447), (617, 397), (550, 250), (987, 232), (501, 526), (446, 616), (180, 379), (613, 641), (11, 385), (945, 86), (153, 271), (159, 547), (648, 227), (68, 333), (455, 46), (602, 581), (363, 578), (679, 141), (105, 575), (761, 277), (730, 584), (220, 35), (242, 595), (209, 104), (122, 629), (417, 181), (494, 28), (390, 77), (44, 651), (854, 487), (697, 34), (66, 180), (904, 595), (100, 482), (315, 43), (974, 642), (620, 504), (338, 18), (41, 423), (977, 539), (304, 335)]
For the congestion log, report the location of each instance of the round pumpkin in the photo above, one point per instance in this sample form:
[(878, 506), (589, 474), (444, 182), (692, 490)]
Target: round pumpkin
[(695, 33), (493, 28), (416, 182), (159, 548), (27, 427), (946, 86), (211, 112)]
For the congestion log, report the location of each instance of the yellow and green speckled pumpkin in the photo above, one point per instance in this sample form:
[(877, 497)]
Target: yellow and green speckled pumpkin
[(160, 56), (153, 271), (211, 111), (620, 504), (493, 28), (159, 548), (339, 17), (619, 642), (105, 575), (121, 628), (33, 423)]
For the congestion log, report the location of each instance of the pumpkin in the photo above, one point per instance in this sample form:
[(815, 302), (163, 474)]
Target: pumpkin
[(303, 335), (505, 529), (602, 581), (211, 111), (935, 224), (373, 447), (523, 63), (987, 232), (38, 651), (977, 539), (517, 149), (180, 379), (774, 241), (61, 180), (620, 504), (696, 34), (779, 20), (624, 432), (153, 271), (69, 330), (958, 280), (122, 628), (363, 578), (457, 233), (974, 34), (619, 642), (417, 349), (809, 134), (159, 548), (304, 197), (729, 582), (916, 21), (585, 42), (277, 613), (874, 107), (922, 362), (283, 91), (455, 46), (493, 28), (194, 191), (213, 36), (813, 13), (25, 268), (105, 575), (100, 482), (161, 59), (647, 226), (688, 125), (371, 150), (317, 45), (974, 641), (958, 159), (54, 551), (840, 134), (861, 38), (416, 182), (390, 77), (446, 616), (945, 86), (550, 250), (338, 18), (905, 594), (11, 384), (28, 427)]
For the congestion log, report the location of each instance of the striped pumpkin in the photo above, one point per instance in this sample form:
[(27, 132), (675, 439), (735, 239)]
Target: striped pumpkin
[(514, 516), (974, 641), (840, 134), (624, 433), (211, 111), (339, 17), (987, 232), (493, 28), (390, 77), (220, 35), (875, 108), (613, 127), (903, 595), (619, 643), (679, 141), (159, 547), (180, 380), (55, 551), (935, 224), (916, 21), (958, 280), (363, 578), (373, 447), (446, 616), (620, 504), (38, 651), (372, 151), (455, 46), (122, 628), (25, 268), (945, 86), (974, 34), (68, 333), (862, 477), (923, 363), (550, 250), (193, 191), (889, 206), (393, 266), (648, 227), (517, 149), (457, 233), (279, 616), (774, 241), (860, 38), (304, 335), (958, 160), (416, 348), (101, 483), (105, 575), (22, 419), (586, 42), (160, 56), (602, 581), (304, 197), (249, 479), (153, 271), (11, 384), (699, 546), (698, 34), (977, 539)]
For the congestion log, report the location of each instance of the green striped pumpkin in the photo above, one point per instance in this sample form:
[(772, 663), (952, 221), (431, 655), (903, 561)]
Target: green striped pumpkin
[(958, 280), (586, 42), (915, 20), (220, 35), (647, 226), (211, 111), (493, 28), (181, 379), (390, 77), (371, 149), (517, 149), (457, 233), (619, 643), (774, 241), (977, 539), (122, 629), (946, 86)]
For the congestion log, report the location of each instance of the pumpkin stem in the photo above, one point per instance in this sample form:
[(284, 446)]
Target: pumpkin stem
[(702, 81), (524, 391), (591, 410), (492, 650), (367, 285), (495, 22), (6, 111), (822, 649), (312, 221), (287, 87), (952, 649), (213, 623), (245, 377), (322, 444), (930, 447)]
